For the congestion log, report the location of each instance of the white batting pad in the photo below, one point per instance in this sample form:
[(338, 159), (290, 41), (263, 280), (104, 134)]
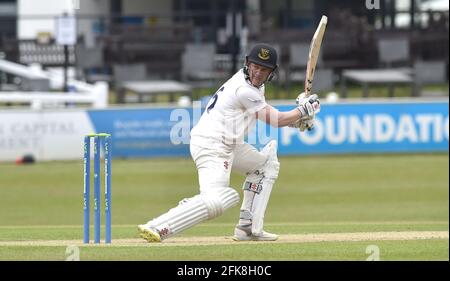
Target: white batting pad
[(257, 189), (192, 211)]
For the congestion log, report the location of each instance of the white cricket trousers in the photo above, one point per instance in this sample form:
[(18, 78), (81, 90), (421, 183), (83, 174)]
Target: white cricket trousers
[(214, 165)]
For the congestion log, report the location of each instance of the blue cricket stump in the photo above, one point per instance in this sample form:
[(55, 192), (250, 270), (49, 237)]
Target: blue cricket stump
[(86, 194), (97, 142), (108, 189)]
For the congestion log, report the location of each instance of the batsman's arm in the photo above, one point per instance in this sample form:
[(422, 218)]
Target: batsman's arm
[(276, 118)]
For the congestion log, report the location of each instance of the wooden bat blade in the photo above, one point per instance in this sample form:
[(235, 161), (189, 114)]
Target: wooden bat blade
[(314, 51)]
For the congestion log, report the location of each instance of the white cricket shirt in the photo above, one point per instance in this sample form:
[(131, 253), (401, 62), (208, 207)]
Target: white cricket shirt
[(230, 113)]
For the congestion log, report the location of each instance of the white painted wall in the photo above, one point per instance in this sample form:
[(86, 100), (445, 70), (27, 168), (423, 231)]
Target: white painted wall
[(28, 28)]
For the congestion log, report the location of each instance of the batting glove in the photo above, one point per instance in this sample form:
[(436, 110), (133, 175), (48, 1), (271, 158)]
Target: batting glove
[(303, 124), (308, 106)]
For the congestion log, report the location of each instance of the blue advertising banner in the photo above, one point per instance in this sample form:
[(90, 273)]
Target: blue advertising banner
[(139, 132), (371, 128), (339, 128)]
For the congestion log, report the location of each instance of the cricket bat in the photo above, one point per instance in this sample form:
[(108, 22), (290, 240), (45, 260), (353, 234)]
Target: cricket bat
[(314, 51)]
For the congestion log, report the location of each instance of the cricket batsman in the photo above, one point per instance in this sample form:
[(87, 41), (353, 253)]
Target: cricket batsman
[(217, 147)]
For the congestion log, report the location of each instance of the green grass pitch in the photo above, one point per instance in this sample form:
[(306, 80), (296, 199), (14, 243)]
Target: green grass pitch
[(323, 208)]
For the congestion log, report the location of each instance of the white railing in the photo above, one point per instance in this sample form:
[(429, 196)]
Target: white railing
[(96, 95)]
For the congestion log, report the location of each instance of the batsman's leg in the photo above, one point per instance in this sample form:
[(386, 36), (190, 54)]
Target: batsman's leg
[(261, 168), (215, 197)]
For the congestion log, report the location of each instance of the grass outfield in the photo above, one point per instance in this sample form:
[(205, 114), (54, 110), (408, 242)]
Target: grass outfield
[(400, 203)]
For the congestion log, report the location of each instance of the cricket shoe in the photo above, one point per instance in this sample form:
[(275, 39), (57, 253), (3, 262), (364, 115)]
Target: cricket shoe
[(149, 233), (244, 233)]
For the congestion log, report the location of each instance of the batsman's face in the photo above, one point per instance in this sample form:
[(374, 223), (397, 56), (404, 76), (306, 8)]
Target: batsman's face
[(258, 74)]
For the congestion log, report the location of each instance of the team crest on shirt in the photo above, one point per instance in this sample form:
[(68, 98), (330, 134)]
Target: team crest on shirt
[(225, 165), (264, 54)]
